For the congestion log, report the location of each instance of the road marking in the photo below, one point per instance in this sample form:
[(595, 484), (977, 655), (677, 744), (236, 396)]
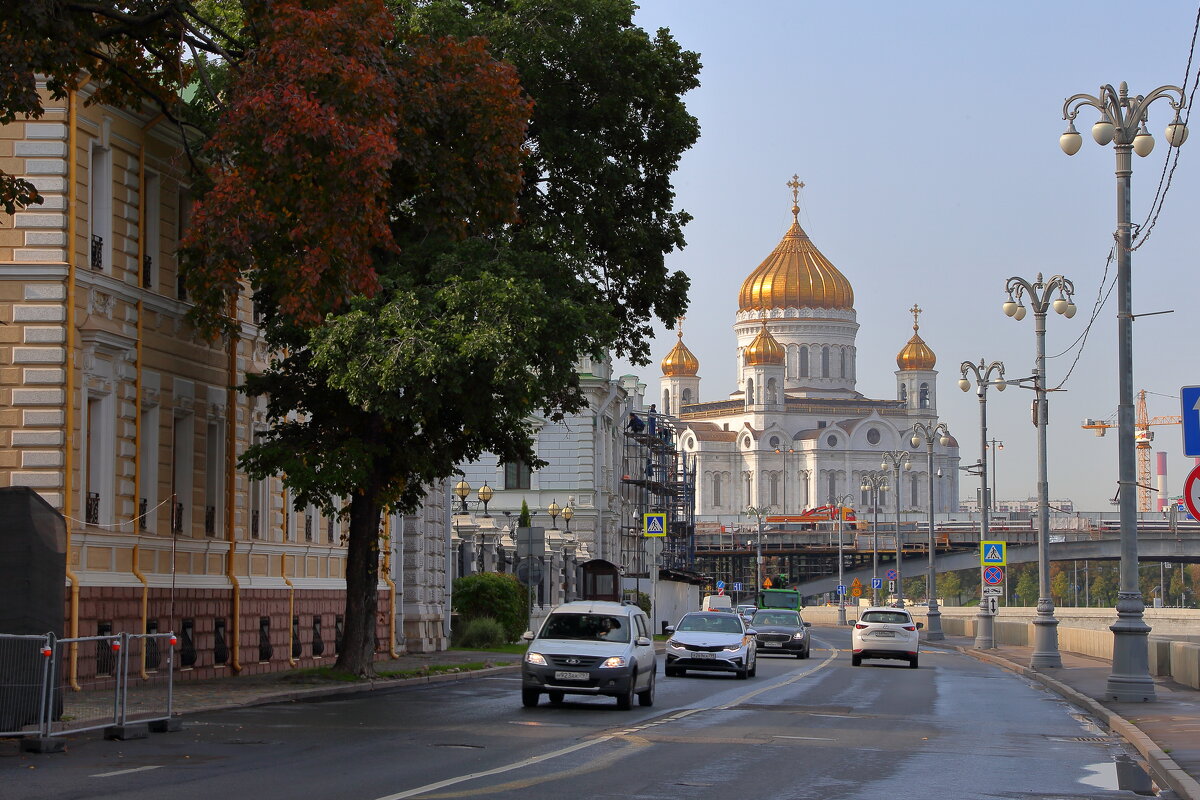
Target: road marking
[(125, 771), (806, 738), (626, 735)]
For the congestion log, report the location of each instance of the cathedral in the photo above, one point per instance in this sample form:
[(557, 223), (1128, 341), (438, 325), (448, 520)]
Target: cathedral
[(795, 434)]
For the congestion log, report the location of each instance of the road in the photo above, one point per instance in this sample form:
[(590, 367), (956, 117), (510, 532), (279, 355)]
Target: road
[(955, 728)]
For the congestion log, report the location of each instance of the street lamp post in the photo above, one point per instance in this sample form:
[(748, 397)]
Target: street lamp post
[(930, 434), (984, 629), (1123, 122), (759, 512), (875, 482), (1041, 298), (895, 460), (837, 503)]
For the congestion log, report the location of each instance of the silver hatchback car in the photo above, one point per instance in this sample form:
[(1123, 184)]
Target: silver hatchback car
[(591, 647)]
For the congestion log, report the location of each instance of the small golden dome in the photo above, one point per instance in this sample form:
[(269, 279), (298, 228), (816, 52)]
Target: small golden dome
[(680, 362), (764, 350), (796, 274), (916, 354)]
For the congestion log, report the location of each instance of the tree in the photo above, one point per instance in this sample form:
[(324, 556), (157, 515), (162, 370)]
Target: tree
[(949, 585), (1061, 588), (1027, 587), (494, 595)]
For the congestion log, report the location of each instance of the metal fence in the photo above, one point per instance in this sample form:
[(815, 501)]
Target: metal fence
[(122, 679)]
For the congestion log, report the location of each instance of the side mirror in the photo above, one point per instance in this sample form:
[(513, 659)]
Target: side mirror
[(920, 625), (751, 632), (669, 628), (808, 624), (527, 636), (848, 622), (642, 641)]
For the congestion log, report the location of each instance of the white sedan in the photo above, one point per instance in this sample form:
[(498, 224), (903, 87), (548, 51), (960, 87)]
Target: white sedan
[(712, 642), (885, 633)]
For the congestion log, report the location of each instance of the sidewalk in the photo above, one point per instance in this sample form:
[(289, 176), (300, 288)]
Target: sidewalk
[(1165, 732)]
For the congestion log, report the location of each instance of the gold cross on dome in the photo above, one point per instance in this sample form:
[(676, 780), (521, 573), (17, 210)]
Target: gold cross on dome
[(679, 326), (916, 312), (795, 184)]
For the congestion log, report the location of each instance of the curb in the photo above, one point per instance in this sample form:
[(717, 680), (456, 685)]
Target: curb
[(373, 685), (1165, 768)]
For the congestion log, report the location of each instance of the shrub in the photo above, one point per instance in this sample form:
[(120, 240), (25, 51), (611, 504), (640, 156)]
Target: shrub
[(482, 633), (494, 595)]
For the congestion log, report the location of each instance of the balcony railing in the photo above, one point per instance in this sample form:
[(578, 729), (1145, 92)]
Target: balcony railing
[(97, 252), (93, 508), (210, 520)]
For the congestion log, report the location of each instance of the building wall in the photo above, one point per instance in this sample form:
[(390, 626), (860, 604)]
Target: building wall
[(121, 416)]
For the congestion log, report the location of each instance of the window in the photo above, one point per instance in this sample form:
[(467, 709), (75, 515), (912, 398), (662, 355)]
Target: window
[(824, 362), (842, 359), (747, 488), (903, 394), (666, 400), (924, 402), (148, 478), (150, 215), (804, 361), (214, 477), (912, 491), (687, 397), (873, 436), (866, 498), (774, 442), (774, 484), (771, 389), (749, 391), (716, 489), (183, 222), (832, 486), (100, 211), (181, 472), (831, 440), (517, 475)]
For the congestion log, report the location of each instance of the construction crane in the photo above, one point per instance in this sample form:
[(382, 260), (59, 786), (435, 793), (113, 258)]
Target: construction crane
[(1142, 436)]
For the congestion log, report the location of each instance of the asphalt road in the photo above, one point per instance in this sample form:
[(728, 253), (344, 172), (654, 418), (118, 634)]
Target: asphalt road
[(955, 728)]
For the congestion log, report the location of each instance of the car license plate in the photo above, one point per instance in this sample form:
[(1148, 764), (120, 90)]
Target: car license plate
[(703, 655), (886, 634), (571, 676), (772, 644)]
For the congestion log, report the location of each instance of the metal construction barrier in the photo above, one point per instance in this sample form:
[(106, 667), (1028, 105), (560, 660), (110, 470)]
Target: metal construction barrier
[(125, 684)]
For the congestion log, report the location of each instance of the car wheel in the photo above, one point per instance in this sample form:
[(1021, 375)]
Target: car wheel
[(803, 653), (753, 667), (855, 661), (912, 663), (646, 698), (743, 673), (625, 701), (555, 697), (673, 672), (529, 697)]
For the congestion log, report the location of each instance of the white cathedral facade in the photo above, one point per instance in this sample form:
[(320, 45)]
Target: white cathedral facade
[(795, 434)]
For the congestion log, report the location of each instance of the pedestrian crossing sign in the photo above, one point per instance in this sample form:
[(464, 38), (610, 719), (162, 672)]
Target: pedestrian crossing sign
[(654, 524), (993, 554)]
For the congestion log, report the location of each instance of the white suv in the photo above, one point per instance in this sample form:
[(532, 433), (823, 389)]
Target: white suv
[(591, 647), (884, 632)]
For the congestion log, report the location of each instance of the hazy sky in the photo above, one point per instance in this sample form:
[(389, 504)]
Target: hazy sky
[(927, 136)]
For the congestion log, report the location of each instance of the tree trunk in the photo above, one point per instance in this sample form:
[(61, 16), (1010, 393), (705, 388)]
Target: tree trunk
[(357, 654)]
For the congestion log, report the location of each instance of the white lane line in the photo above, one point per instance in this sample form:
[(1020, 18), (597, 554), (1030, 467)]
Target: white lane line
[(806, 738), (430, 787), (125, 772)]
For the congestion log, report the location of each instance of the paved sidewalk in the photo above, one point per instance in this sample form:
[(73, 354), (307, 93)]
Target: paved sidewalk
[(1165, 732)]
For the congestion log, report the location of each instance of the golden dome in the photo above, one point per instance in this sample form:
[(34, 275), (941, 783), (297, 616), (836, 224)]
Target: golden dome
[(765, 349), (795, 275), (680, 362), (916, 354)]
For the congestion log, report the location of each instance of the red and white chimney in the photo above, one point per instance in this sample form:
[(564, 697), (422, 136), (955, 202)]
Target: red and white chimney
[(1163, 497)]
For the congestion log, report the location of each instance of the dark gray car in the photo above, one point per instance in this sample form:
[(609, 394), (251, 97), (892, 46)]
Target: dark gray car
[(781, 632)]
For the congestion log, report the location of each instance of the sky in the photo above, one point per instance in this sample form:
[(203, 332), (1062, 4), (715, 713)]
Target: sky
[(926, 134)]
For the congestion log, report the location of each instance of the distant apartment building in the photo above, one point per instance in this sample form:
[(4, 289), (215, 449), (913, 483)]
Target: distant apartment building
[(120, 416)]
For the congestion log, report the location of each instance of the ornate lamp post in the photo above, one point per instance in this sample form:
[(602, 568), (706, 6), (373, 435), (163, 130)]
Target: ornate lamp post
[(485, 495), (895, 460), (1041, 298), (554, 509), (930, 434), (567, 513), (759, 512), (875, 482), (984, 630), (462, 489), (1123, 122), (838, 503)]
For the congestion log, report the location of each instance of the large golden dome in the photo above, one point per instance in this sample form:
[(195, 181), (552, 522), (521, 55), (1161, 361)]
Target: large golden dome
[(795, 275), (680, 362), (916, 354), (765, 349)]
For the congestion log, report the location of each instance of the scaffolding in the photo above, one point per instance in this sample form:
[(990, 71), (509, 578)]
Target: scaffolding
[(656, 478)]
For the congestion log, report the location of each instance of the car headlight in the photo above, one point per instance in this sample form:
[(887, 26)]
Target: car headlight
[(798, 635), (535, 658), (674, 643), (733, 648), (615, 661)]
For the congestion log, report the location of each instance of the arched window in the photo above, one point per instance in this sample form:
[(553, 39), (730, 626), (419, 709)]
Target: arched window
[(832, 486), (775, 488), (842, 366), (866, 498), (716, 489), (687, 397), (924, 402), (746, 481), (749, 391), (904, 394), (667, 400), (824, 362), (771, 388), (804, 361), (913, 492)]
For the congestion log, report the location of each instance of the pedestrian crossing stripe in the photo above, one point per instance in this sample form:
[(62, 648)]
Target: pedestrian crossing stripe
[(654, 524), (993, 554)]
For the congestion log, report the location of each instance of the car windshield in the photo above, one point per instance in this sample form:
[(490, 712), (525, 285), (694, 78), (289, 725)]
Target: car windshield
[(712, 623), (592, 627), (893, 617), (777, 618)]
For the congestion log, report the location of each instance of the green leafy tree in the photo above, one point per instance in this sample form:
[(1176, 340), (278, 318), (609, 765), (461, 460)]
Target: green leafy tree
[(950, 586), (492, 595), (1027, 588), (1061, 589), (526, 519), (1104, 586)]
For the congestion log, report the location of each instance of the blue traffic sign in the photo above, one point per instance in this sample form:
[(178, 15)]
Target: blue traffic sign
[(841, 588), (876, 583), (737, 587), (1189, 399), (891, 573), (720, 584)]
